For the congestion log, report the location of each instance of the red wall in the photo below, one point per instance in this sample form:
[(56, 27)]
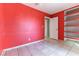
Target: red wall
[(1, 26), (19, 24), (60, 16)]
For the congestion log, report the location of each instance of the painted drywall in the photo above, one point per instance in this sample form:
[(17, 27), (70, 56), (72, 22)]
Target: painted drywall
[(20, 24), (60, 16), (1, 26)]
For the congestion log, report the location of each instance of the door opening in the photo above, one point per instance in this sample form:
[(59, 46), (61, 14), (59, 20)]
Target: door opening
[(46, 22), (51, 28), (53, 25)]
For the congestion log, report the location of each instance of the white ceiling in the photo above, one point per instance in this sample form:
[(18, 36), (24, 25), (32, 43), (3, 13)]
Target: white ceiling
[(51, 7)]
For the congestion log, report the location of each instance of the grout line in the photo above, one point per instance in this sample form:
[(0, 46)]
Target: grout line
[(17, 51), (69, 50), (22, 45), (55, 51), (40, 50), (51, 47), (29, 51)]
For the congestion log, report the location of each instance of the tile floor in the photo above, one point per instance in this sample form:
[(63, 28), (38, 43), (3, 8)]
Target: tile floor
[(46, 48), (0, 52)]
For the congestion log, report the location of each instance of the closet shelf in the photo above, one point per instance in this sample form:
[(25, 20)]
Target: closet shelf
[(72, 14), (72, 25), (66, 20), (72, 32), (71, 37)]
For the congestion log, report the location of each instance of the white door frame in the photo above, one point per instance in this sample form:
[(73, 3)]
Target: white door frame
[(46, 28)]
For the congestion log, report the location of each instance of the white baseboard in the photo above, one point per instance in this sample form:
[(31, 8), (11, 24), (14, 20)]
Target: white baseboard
[(3, 52), (19, 46)]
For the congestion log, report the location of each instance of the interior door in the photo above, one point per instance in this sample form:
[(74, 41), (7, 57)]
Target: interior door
[(53, 28)]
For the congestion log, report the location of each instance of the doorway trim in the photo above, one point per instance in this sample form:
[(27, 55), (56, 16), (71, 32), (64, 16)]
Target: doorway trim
[(47, 27)]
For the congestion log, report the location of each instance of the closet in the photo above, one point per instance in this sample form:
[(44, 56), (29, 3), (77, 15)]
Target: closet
[(71, 24)]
